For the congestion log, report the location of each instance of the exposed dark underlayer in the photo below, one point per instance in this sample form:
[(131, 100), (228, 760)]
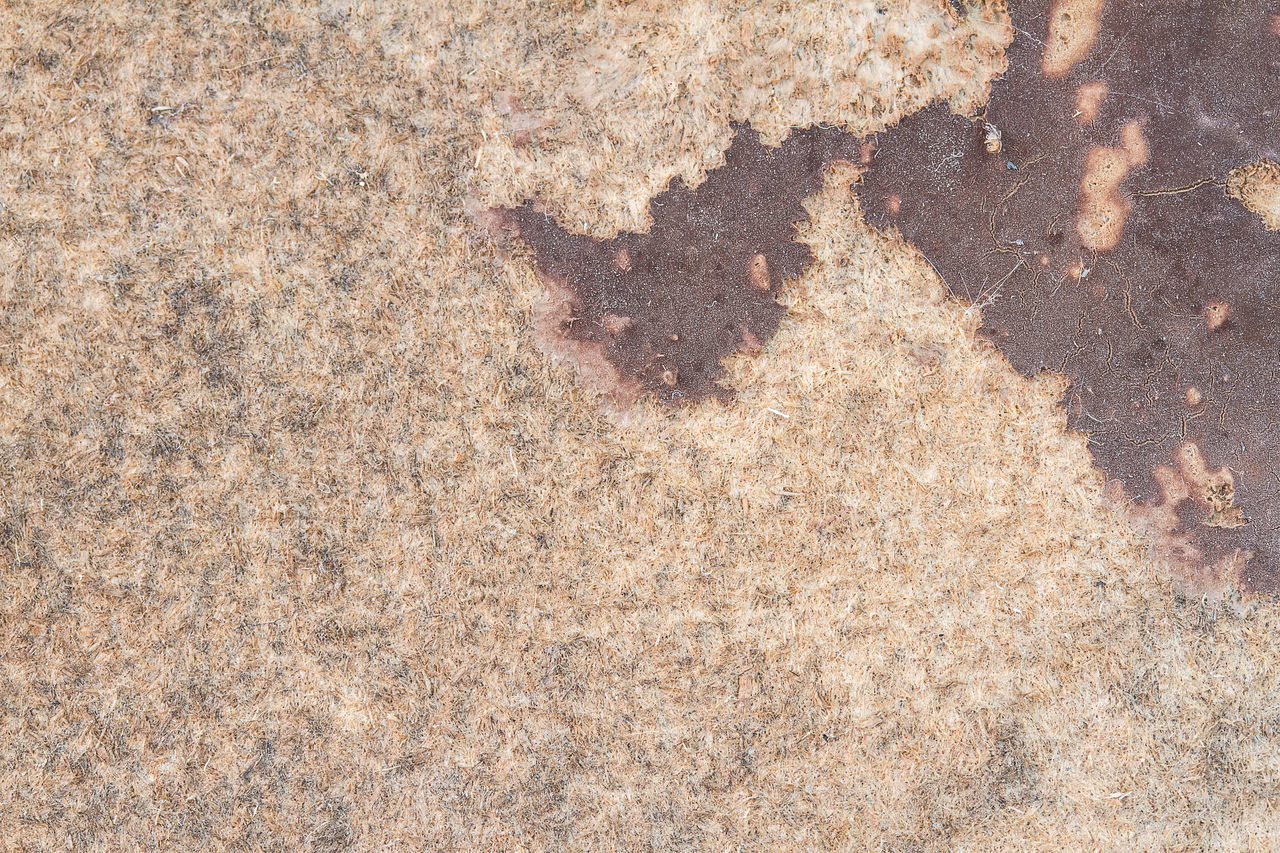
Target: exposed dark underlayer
[(1084, 210), (666, 306)]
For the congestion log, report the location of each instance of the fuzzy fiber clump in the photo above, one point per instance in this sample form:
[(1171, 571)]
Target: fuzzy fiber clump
[(305, 544)]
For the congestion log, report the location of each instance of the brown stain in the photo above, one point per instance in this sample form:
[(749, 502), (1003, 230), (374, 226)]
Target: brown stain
[(1176, 280), (1073, 29), (554, 315), (1212, 490), (1103, 207)]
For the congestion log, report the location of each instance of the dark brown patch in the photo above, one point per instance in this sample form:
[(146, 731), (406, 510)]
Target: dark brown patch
[(662, 309), (1167, 327)]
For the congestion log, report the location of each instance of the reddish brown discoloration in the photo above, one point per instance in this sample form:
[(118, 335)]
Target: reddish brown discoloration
[(1161, 306), (1193, 503), (701, 284)]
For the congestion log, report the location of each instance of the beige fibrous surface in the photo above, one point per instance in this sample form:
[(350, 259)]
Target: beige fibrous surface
[(1257, 186), (305, 544)]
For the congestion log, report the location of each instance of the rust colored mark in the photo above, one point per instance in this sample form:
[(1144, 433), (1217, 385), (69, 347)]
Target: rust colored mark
[(1073, 28), (1104, 246), (555, 315), (615, 325), (656, 312)]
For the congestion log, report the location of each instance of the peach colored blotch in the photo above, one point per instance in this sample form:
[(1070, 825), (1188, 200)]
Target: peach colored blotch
[(1073, 28), (1215, 315), (1089, 98), (758, 272), (1189, 478), (1103, 207)]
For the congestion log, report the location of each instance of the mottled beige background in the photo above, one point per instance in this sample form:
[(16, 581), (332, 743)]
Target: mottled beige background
[(304, 543)]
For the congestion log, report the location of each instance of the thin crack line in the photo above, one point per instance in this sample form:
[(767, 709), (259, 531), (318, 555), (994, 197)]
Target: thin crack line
[(1178, 190)]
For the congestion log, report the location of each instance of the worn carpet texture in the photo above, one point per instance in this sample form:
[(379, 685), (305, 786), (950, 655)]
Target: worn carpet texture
[(306, 544)]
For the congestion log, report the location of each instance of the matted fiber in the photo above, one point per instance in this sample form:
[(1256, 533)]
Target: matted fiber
[(306, 544)]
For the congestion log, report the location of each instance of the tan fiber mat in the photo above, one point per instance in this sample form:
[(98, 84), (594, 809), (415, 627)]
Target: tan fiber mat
[(306, 544)]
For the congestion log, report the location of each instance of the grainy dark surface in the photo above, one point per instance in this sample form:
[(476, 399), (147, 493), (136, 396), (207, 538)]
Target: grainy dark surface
[(1108, 251), (666, 306)]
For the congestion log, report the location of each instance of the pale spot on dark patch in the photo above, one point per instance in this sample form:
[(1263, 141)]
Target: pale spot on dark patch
[(1073, 28), (1216, 314), (1103, 206), (1089, 98), (758, 273)]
